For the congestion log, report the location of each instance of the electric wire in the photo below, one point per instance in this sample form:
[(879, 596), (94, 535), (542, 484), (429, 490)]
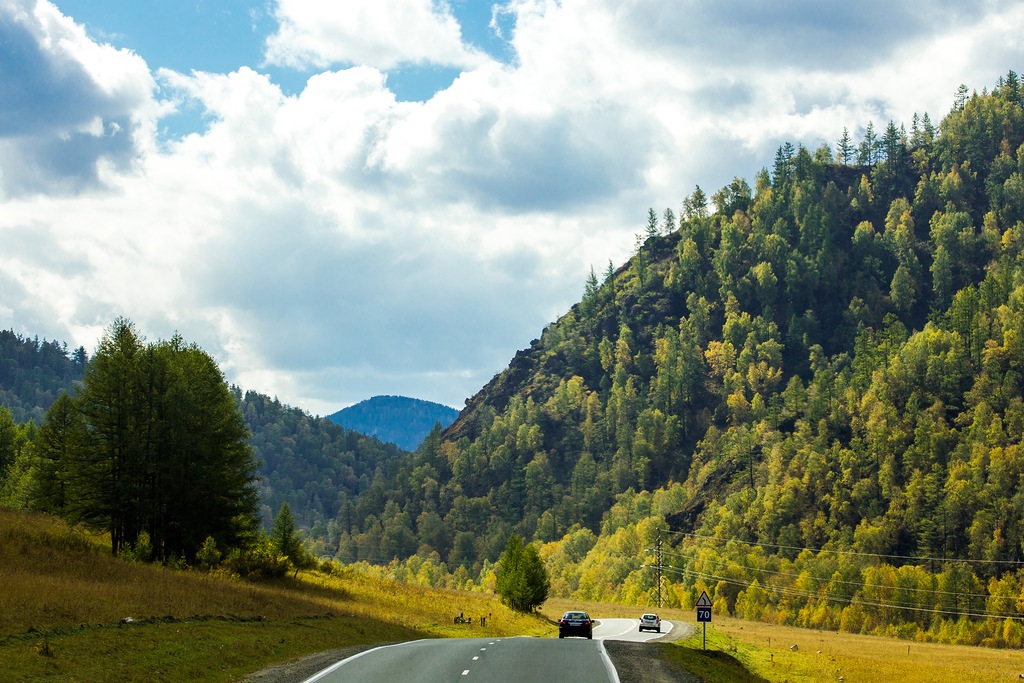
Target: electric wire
[(729, 563), (843, 552), (848, 601), (729, 580)]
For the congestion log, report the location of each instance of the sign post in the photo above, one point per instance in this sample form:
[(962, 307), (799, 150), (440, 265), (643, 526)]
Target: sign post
[(704, 614)]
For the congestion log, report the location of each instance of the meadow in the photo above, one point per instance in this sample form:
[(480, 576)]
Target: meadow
[(71, 611)]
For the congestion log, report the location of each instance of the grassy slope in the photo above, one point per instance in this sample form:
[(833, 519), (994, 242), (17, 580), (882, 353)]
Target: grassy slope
[(826, 655), (62, 599)]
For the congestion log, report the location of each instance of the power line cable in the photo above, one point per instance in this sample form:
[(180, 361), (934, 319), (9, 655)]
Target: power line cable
[(848, 601), (845, 552)]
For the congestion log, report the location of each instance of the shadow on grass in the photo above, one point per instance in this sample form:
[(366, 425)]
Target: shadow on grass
[(712, 666), (200, 649)]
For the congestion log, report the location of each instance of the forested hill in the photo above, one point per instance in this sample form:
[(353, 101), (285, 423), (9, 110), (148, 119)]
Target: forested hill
[(316, 466), (831, 356), (395, 419), (34, 373)]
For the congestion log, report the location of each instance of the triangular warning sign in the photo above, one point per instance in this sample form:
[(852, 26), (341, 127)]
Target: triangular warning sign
[(703, 600)]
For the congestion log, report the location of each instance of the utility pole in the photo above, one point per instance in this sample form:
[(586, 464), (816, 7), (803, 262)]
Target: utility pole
[(660, 577)]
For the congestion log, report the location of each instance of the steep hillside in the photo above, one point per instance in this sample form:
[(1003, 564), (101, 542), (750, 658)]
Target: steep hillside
[(831, 357), (319, 468), (402, 421)]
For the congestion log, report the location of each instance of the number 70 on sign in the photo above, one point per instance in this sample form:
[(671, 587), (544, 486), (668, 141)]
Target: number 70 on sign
[(703, 608), (704, 614)]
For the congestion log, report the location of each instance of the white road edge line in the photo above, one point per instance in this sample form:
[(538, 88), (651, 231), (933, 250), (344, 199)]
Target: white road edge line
[(613, 675), (633, 625), (337, 665), (658, 634)]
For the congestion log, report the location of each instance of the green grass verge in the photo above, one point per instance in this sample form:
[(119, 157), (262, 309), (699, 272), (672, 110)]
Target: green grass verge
[(723, 661), (200, 650)]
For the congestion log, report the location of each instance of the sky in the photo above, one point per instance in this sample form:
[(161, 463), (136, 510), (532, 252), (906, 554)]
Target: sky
[(339, 200)]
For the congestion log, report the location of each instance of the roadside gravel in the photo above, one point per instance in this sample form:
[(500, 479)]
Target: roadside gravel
[(635, 662), (640, 662), (301, 669)]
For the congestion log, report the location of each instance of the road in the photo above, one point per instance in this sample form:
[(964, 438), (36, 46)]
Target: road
[(628, 629), (525, 660)]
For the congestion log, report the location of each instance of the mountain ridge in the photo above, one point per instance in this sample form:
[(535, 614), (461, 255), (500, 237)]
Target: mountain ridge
[(400, 420)]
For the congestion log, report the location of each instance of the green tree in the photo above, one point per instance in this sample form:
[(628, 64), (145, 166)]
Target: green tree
[(285, 536), (696, 205), (17, 477), (903, 289), (845, 147), (59, 446), (208, 556), (867, 153), (668, 221), (165, 448), (652, 230), (109, 482), (8, 440), (523, 582)]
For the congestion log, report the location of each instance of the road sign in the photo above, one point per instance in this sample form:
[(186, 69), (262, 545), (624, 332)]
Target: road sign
[(704, 614)]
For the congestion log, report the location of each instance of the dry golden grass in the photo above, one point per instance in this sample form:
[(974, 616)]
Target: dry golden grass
[(52, 576), (62, 597), (820, 655), (825, 655)]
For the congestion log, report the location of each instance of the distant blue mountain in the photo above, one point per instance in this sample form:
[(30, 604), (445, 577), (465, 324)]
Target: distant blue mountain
[(402, 421)]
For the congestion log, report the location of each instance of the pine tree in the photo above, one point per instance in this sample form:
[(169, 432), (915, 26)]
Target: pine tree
[(669, 221), (58, 446), (285, 536), (8, 439), (523, 582), (108, 474), (960, 100), (783, 166), (166, 449), (652, 229), (845, 147), (696, 205)]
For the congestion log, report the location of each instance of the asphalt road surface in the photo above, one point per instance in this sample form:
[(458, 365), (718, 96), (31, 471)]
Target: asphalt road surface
[(628, 629), (492, 660)]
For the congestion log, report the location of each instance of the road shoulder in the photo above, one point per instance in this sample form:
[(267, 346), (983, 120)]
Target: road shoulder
[(642, 662), (301, 669)]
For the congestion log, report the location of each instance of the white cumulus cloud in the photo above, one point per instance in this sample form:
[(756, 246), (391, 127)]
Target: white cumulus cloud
[(339, 243), (378, 33)]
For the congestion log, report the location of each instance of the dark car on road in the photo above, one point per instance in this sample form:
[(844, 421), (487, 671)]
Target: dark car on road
[(576, 624)]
